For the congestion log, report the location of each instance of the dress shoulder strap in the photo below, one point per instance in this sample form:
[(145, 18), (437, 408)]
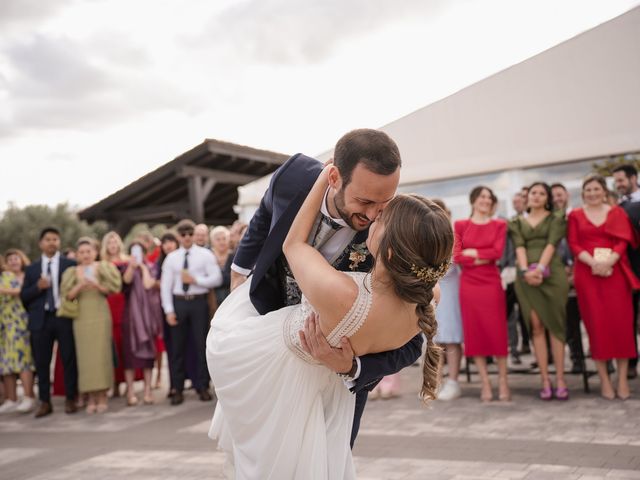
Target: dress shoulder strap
[(358, 312)]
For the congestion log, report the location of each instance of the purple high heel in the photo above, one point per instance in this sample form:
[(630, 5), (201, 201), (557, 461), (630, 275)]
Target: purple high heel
[(562, 393), (546, 394)]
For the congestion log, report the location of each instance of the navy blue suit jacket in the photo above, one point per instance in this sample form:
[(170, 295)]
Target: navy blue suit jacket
[(32, 297), (262, 245)]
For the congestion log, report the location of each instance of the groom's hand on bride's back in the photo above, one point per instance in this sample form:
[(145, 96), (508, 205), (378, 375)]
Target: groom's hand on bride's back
[(340, 360)]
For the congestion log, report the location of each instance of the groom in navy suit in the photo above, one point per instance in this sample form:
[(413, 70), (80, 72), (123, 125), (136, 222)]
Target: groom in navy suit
[(363, 158)]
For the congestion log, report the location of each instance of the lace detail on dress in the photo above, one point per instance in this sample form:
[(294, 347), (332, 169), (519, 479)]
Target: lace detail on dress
[(347, 327)]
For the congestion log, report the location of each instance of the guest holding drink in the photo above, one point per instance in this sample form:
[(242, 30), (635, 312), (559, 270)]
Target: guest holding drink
[(599, 235), (113, 251), (542, 286), (479, 245), (89, 284), (15, 346), (141, 323)]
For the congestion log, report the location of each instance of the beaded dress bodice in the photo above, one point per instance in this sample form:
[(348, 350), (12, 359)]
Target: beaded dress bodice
[(347, 327)]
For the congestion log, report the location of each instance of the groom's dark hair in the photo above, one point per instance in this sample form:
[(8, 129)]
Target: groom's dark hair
[(373, 148)]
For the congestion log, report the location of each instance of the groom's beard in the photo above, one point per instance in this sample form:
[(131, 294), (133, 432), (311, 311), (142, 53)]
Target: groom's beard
[(338, 200)]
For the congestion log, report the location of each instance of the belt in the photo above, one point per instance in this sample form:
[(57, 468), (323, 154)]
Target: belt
[(189, 298)]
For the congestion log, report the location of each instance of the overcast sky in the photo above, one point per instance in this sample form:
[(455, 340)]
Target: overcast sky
[(96, 93)]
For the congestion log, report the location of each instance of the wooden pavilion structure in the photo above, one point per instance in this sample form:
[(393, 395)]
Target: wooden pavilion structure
[(201, 184)]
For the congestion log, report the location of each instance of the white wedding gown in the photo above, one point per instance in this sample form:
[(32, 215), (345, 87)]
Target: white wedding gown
[(280, 415)]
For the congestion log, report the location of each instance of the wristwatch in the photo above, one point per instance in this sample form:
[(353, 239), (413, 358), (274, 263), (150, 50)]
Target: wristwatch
[(351, 373)]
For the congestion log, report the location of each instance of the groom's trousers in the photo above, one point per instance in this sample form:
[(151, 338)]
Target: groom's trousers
[(361, 401)]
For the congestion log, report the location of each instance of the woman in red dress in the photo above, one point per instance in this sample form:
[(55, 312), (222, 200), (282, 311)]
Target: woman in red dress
[(480, 241), (113, 251), (598, 235)]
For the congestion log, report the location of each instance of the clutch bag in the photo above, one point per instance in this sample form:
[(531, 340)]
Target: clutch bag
[(601, 254)]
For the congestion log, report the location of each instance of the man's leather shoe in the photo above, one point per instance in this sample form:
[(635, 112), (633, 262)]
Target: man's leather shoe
[(44, 410), (205, 396), (70, 406), (177, 398)]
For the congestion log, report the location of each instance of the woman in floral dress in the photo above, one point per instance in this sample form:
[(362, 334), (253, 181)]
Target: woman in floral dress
[(15, 346)]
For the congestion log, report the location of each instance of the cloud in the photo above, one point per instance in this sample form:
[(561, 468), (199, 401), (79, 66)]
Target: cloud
[(59, 83), (14, 12), (303, 31)]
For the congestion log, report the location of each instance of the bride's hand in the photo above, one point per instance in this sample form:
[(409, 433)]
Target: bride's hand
[(315, 344)]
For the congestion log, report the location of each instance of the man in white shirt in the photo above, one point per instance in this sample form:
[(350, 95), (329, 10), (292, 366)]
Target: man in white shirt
[(187, 276)]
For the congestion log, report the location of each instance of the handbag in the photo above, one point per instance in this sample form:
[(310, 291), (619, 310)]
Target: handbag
[(68, 308)]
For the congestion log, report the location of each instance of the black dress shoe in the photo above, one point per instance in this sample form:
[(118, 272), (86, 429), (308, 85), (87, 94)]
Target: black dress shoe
[(205, 396), (70, 406), (632, 373), (44, 410), (177, 398)]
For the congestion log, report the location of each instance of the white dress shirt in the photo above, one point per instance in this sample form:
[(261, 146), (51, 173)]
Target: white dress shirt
[(55, 275), (634, 196), (203, 267)]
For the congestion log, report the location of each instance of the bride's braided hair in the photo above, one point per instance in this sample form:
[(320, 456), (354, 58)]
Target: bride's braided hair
[(415, 249)]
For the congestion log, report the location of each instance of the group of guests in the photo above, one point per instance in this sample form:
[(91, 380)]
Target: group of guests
[(550, 250), (112, 312)]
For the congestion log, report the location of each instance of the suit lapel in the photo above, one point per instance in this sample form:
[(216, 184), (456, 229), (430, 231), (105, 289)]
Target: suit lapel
[(272, 247)]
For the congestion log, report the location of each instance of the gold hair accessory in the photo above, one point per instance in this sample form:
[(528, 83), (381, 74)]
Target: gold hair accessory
[(430, 274)]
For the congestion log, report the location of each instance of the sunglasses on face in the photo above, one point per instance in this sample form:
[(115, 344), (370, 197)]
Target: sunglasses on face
[(186, 234)]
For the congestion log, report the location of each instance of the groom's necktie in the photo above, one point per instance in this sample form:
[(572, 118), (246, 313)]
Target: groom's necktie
[(50, 304), (326, 229)]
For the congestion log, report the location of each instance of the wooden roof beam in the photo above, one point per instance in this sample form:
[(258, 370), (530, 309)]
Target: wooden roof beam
[(219, 176)]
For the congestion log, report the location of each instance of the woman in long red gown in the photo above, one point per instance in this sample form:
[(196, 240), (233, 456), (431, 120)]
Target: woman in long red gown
[(604, 281), (480, 241)]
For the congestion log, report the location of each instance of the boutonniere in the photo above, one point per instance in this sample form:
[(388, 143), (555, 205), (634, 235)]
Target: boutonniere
[(357, 255)]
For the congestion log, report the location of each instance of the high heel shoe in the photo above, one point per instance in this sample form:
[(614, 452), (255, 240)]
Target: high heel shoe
[(102, 407), (91, 408), (132, 401), (486, 396), (562, 393), (546, 394)]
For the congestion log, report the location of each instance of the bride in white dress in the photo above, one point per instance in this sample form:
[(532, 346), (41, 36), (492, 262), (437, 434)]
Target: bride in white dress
[(282, 416)]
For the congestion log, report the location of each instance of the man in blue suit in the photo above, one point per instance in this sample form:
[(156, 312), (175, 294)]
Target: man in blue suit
[(365, 179), (41, 297)]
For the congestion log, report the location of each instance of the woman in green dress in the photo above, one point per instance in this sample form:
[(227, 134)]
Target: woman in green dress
[(542, 287), (89, 283)]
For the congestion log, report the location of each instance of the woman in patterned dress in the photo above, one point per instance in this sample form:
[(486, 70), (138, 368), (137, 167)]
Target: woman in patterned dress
[(15, 346)]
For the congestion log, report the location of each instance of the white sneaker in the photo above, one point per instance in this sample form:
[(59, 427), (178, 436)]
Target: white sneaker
[(26, 405), (9, 406), (450, 390)]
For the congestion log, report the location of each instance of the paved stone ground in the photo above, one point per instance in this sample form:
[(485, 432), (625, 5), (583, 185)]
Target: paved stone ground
[(585, 438)]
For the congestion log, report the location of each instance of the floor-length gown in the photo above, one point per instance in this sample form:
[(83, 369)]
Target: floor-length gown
[(92, 328), (279, 414), (605, 303), (483, 303)]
